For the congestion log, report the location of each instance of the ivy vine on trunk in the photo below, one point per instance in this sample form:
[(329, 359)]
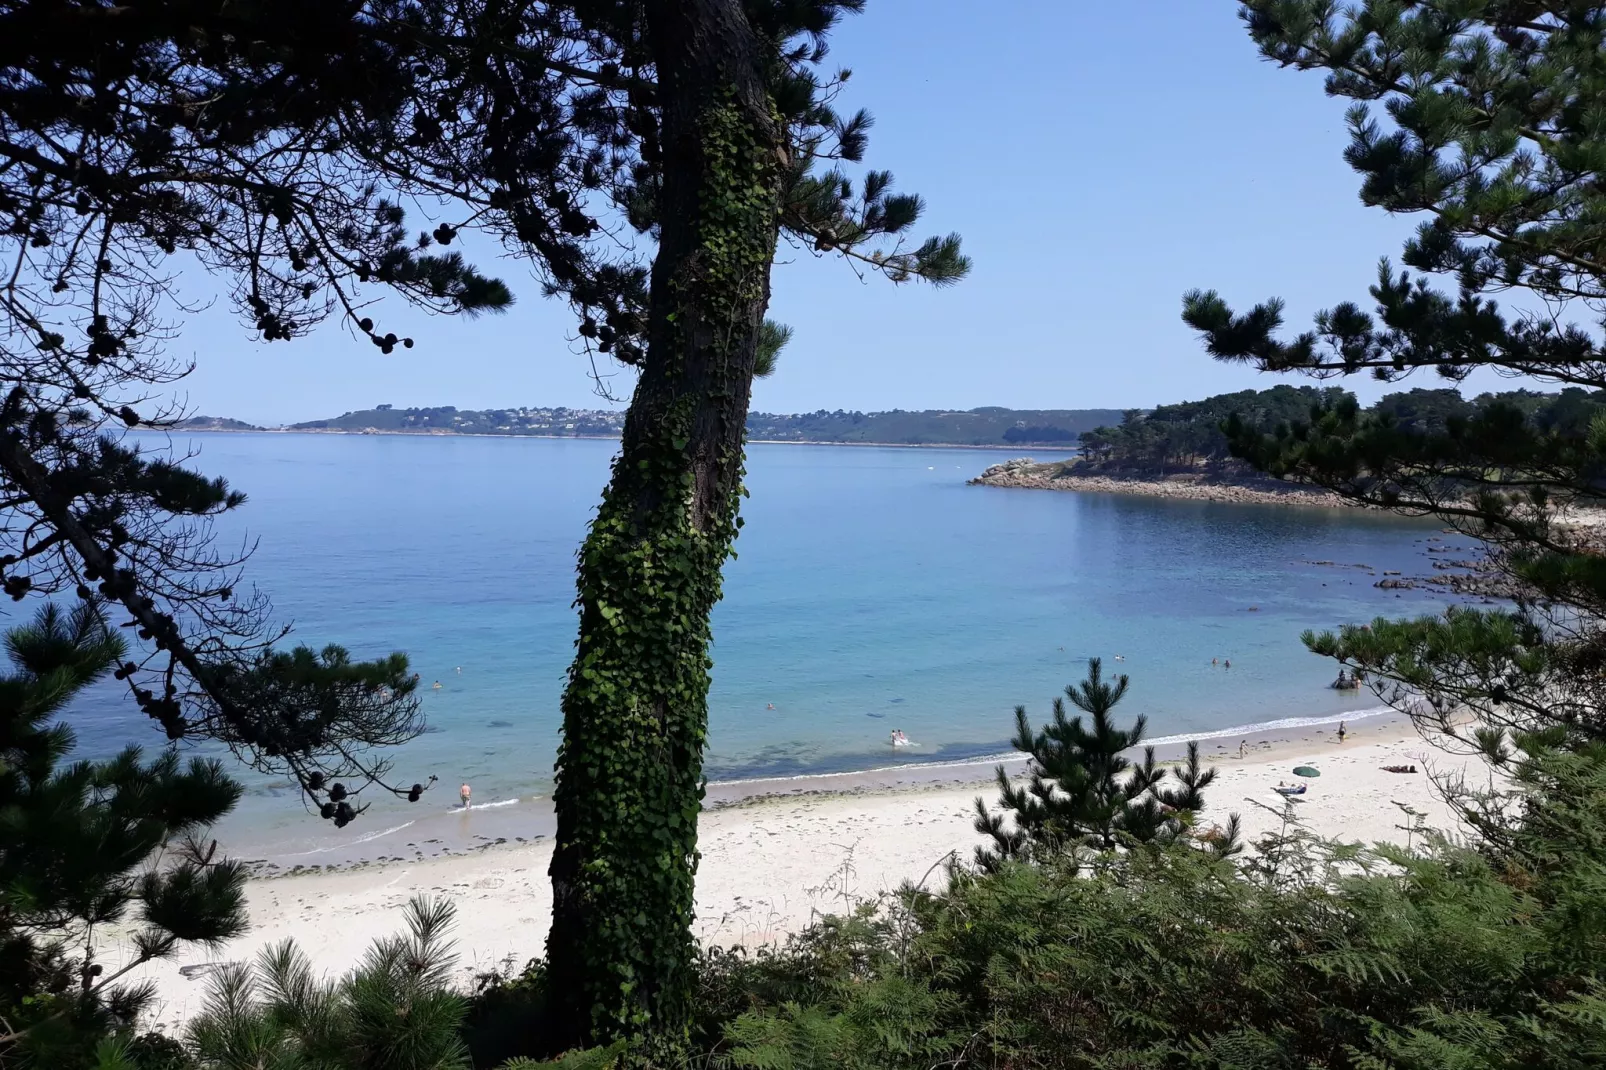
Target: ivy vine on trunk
[(708, 127), (635, 713)]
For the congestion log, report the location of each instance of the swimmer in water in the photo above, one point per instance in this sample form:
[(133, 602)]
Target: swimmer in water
[(459, 670), (1227, 664), (769, 706), (436, 686), (464, 793)]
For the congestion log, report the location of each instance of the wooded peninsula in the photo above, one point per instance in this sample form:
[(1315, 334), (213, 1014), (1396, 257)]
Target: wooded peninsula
[(1186, 450)]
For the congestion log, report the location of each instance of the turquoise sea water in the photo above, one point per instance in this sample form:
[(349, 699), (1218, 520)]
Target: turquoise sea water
[(873, 591)]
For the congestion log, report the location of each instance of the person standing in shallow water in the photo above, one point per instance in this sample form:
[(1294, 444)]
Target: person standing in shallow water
[(464, 793)]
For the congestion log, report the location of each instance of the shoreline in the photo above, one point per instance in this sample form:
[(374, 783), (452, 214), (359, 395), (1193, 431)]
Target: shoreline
[(431, 433), (1023, 473), (506, 824), (772, 863)]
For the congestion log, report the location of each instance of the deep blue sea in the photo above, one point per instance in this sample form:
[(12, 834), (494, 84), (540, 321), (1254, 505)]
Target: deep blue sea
[(873, 591)]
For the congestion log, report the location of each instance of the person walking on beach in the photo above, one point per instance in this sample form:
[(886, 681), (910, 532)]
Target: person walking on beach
[(465, 793), (1342, 731)]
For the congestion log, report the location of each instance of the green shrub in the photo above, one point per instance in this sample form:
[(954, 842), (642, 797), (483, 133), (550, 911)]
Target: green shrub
[(1083, 793), (1313, 955), (77, 842), (397, 1010), (506, 1016)]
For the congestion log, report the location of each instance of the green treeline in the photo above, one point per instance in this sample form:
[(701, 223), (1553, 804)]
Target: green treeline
[(990, 426), (1192, 434)]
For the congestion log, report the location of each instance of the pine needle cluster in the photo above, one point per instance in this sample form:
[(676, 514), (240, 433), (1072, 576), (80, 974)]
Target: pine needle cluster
[(86, 845)]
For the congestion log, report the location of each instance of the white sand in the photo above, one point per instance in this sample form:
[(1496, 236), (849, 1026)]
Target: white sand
[(768, 866)]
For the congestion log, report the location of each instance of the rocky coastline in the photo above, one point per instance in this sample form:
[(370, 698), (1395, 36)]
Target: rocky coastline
[(1027, 474)]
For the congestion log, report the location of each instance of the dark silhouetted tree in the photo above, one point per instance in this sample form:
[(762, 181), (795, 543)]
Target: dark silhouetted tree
[(86, 844), (1492, 135), (710, 129), (135, 139), (1081, 789), (645, 156)]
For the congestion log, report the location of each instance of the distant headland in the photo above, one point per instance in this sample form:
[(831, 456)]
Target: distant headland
[(1182, 451), (989, 427)]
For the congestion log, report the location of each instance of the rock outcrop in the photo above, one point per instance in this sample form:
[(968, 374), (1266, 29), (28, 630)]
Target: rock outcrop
[(1023, 472)]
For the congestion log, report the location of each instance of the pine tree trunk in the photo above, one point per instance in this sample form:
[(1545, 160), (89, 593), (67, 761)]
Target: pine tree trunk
[(629, 778)]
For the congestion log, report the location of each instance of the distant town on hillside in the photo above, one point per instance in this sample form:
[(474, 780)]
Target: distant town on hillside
[(991, 426)]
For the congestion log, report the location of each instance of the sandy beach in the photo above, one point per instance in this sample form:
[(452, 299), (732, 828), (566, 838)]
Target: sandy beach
[(771, 864)]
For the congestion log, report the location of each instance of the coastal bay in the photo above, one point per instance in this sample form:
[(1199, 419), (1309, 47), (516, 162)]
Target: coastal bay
[(873, 591), (584, 727)]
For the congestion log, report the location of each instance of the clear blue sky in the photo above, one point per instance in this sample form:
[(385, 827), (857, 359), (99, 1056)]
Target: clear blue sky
[(1099, 160)]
